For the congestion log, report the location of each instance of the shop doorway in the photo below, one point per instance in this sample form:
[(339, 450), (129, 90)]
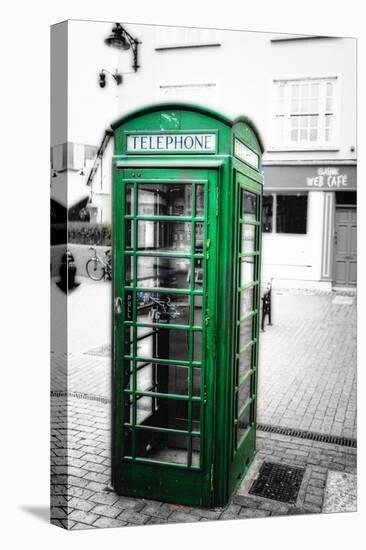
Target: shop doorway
[(345, 240)]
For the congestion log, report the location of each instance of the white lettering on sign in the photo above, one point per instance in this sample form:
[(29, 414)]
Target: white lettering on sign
[(244, 153), (329, 178), (187, 143)]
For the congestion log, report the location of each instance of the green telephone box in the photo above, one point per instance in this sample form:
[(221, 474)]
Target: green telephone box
[(187, 191)]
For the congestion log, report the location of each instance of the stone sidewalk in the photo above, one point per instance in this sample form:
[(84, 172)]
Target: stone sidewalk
[(307, 381)]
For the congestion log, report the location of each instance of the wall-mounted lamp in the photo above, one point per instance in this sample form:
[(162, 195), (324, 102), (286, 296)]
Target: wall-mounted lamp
[(54, 174), (102, 78), (122, 40)]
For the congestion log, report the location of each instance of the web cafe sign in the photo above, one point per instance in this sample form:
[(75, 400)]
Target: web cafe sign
[(328, 178), (171, 143)]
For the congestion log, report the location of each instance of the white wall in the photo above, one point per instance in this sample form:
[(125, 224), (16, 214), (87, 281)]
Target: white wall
[(296, 259)]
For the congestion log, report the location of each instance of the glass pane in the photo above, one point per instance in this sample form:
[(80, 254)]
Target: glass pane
[(198, 273), (315, 90), (198, 311), (246, 301), (165, 199), (247, 238), (292, 213), (245, 333), (249, 205), (128, 341), (169, 379), (144, 408), (247, 270), (163, 343), (195, 452), (145, 342), (294, 135), (155, 307), (303, 135), (128, 234), (200, 200), (242, 425), (244, 394), (144, 376), (161, 447), (199, 238), (162, 236), (129, 270), (163, 272), (129, 199), (244, 363), (313, 135), (197, 345), (280, 128)]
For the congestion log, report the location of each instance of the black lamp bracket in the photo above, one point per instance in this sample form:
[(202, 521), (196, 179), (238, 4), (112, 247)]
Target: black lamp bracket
[(134, 45)]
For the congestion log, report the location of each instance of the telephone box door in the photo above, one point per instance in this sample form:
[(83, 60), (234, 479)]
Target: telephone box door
[(164, 345)]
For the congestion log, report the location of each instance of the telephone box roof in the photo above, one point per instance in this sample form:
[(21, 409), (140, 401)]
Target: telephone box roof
[(189, 107)]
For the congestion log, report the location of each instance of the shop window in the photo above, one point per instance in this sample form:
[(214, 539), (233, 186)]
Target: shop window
[(267, 213), (285, 213), (291, 213), (305, 112)]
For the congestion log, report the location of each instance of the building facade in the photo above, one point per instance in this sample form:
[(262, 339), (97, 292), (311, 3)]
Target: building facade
[(299, 90)]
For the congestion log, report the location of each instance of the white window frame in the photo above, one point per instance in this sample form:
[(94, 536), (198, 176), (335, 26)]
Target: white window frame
[(320, 144)]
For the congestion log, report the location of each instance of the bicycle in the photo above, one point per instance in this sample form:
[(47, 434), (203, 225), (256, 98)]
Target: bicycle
[(97, 268)]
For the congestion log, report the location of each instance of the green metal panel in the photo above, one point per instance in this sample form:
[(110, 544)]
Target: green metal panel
[(171, 262)]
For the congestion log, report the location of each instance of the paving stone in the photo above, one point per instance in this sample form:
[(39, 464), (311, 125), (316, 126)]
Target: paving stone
[(130, 516), (253, 513), (83, 517), (106, 510), (109, 522), (81, 504)]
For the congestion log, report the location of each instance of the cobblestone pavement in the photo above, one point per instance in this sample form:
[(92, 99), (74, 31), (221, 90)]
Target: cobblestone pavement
[(307, 381), (80, 500), (307, 376)]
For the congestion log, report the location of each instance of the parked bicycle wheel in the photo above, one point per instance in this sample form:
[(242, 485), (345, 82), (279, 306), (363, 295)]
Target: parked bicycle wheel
[(95, 269)]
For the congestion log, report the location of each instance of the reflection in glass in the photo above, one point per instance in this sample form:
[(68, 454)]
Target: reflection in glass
[(129, 199), (242, 424), (163, 343), (200, 200), (155, 307), (144, 408), (247, 238), (247, 270), (198, 311), (244, 363), (243, 394), (163, 236), (128, 235), (129, 270), (165, 199), (249, 205), (169, 379), (197, 346), (163, 272), (245, 333), (246, 301), (199, 238)]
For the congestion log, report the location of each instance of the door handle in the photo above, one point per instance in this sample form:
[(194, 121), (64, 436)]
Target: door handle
[(118, 305)]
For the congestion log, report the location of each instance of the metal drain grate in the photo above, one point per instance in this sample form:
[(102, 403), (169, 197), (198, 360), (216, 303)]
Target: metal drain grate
[(305, 434), (278, 482)]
